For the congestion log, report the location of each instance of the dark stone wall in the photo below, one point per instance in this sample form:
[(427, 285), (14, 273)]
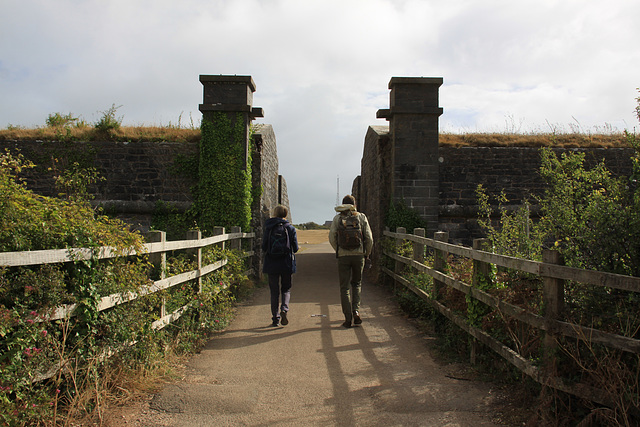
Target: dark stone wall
[(372, 189), (139, 175), (514, 170)]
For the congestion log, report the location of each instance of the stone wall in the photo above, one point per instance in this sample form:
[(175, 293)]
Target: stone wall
[(514, 170), (137, 175), (372, 189), (266, 177)]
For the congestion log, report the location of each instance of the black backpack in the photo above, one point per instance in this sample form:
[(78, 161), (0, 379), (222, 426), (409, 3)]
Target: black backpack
[(279, 244), (349, 231)]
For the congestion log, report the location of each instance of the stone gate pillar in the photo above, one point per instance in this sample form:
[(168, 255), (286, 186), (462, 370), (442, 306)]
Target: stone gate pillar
[(413, 129), (231, 95)]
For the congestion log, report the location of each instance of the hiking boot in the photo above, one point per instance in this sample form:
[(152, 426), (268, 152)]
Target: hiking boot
[(356, 318), (347, 323), (283, 318)]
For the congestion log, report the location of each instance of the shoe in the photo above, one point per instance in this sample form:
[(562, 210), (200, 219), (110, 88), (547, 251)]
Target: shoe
[(347, 323), (275, 324), (356, 318), (283, 318)]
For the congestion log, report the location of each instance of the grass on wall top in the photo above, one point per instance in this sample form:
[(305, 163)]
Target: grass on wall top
[(172, 134)]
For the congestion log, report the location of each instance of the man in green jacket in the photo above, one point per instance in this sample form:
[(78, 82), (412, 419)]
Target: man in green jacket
[(351, 238)]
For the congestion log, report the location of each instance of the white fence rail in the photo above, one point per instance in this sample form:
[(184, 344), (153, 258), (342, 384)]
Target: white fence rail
[(550, 323), (157, 249)]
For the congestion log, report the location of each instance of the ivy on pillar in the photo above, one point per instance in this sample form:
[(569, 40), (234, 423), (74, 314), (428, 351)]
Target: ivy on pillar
[(224, 196)]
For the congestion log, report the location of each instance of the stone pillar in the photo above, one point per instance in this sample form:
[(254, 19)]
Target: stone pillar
[(231, 95), (413, 128)]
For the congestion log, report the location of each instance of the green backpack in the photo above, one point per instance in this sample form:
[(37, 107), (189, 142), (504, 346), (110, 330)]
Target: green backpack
[(349, 231)]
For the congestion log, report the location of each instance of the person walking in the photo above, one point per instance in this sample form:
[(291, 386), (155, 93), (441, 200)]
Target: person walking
[(351, 238), (279, 244)]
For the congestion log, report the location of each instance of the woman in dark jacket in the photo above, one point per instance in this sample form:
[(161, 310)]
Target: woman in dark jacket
[(279, 244)]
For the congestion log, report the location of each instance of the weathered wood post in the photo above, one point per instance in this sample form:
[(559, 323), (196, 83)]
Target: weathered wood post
[(481, 280), (217, 231), (553, 306), (197, 252), (440, 261), (235, 244), (398, 265), (418, 248), (159, 261)]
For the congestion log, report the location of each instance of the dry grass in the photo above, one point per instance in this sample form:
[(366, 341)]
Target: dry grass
[(568, 140), (180, 134), (87, 133), (312, 237)]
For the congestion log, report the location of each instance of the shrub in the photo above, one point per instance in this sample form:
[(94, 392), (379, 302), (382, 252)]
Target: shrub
[(60, 120), (109, 122)]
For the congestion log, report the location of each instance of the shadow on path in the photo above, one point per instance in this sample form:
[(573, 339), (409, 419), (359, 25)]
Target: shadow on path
[(314, 372)]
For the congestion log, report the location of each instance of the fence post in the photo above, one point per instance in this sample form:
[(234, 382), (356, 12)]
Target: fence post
[(159, 261), (398, 265), (553, 303), (440, 260), (418, 248), (216, 232), (481, 278), (196, 235), (235, 243)]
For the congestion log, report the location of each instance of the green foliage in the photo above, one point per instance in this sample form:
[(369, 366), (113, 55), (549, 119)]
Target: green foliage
[(476, 310), (400, 215), (516, 234), (73, 183), (32, 222), (33, 344), (591, 217), (166, 217), (109, 122), (223, 195), (61, 120), (28, 295)]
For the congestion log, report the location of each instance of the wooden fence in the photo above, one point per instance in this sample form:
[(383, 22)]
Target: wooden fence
[(549, 321), (157, 249)]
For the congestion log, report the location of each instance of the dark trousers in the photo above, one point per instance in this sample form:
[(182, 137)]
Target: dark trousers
[(280, 285), (350, 274)]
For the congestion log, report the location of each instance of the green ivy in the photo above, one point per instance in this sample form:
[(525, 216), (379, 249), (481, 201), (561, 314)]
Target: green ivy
[(400, 215), (224, 194)]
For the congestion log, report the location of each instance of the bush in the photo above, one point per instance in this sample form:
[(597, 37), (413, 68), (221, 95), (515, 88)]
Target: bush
[(60, 120), (32, 344), (109, 122)]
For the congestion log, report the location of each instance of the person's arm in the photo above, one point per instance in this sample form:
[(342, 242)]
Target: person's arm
[(333, 234), (368, 237), (265, 238), (293, 237)]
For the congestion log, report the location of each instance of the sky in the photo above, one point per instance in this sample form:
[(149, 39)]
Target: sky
[(322, 69)]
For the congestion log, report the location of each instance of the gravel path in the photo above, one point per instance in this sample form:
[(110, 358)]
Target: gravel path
[(314, 372)]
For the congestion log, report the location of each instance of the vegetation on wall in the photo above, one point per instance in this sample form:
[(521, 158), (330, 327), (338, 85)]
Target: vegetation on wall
[(32, 343), (223, 195), (592, 218), (400, 215)]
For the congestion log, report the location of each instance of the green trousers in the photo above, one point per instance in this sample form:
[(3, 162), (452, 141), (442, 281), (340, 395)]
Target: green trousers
[(350, 273)]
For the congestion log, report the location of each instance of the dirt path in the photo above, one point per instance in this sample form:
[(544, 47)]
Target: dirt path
[(314, 372)]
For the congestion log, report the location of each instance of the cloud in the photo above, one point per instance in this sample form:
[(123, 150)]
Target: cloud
[(322, 68)]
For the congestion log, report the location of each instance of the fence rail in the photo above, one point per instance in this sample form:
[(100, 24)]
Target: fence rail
[(157, 250), (549, 322)]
